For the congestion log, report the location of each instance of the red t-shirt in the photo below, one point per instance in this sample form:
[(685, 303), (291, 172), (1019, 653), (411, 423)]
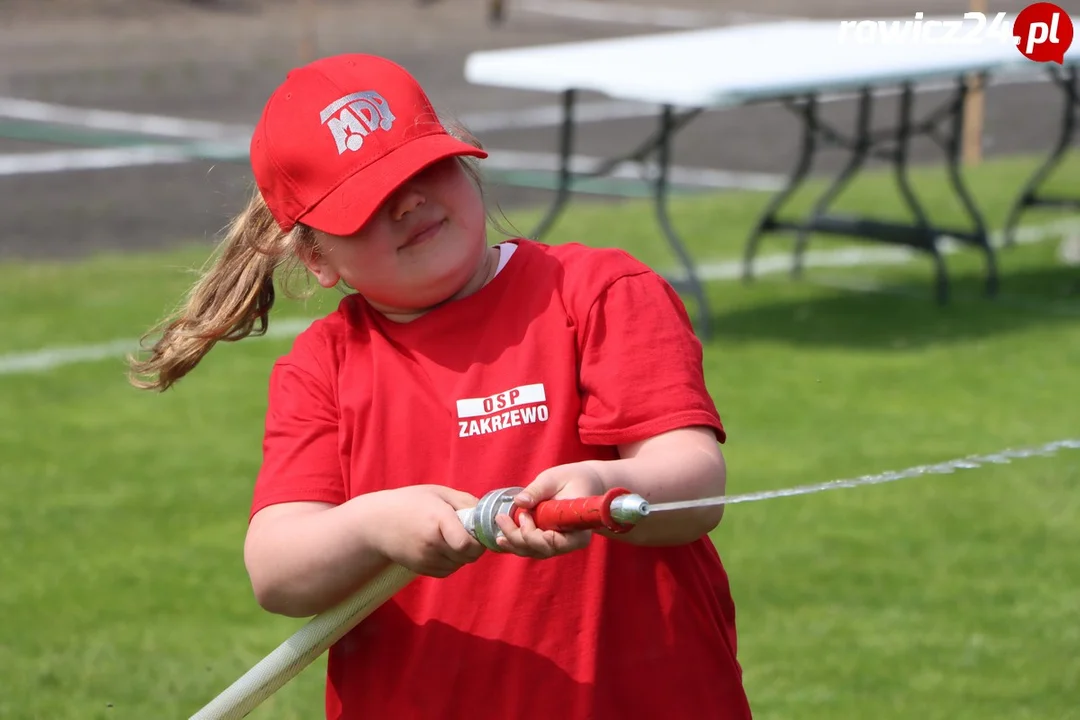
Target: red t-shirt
[(595, 350)]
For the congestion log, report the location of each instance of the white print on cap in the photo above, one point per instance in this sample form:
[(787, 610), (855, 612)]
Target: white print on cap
[(353, 117)]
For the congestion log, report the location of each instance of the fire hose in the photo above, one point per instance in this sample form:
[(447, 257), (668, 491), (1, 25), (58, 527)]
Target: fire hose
[(618, 510)]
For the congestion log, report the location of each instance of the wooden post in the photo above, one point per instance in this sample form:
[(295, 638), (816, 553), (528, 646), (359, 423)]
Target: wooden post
[(973, 107)]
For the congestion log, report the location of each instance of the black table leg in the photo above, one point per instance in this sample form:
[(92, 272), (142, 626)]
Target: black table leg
[(659, 142), (903, 182), (920, 234), (807, 110), (1029, 196), (691, 283), (860, 150), (978, 236), (566, 150)]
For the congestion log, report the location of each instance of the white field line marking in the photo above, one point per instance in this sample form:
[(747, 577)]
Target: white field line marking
[(579, 164), (493, 121), (552, 115), (92, 159), (143, 155), (119, 157), (49, 358), (98, 119), (854, 257), (189, 129), (948, 467), (617, 13), (234, 145), (871, 287)]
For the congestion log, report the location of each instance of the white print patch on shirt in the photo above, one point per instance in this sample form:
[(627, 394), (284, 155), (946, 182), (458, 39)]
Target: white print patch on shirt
[(523, 405)]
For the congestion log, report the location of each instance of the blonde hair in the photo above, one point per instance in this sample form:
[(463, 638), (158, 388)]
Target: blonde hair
[(237, 290)]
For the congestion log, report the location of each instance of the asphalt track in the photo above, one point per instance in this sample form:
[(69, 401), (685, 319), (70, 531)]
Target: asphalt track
[(216, 61)]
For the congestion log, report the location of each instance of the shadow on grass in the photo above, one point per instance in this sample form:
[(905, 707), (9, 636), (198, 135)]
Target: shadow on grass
[(903, 313)]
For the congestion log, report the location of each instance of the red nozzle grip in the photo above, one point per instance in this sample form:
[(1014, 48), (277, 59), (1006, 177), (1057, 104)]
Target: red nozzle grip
[(585, 513)]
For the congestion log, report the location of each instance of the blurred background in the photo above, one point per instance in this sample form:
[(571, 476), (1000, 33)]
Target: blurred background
[(212, 63), (124, 127)]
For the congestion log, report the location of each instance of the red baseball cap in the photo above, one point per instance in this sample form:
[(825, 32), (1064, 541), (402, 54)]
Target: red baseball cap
[(339, 136)]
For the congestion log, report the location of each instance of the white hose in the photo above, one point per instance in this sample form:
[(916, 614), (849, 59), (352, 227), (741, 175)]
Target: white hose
[(305, 645), (310, 641)]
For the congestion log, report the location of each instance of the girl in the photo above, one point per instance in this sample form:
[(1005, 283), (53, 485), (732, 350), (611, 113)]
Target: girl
[(454, 368)]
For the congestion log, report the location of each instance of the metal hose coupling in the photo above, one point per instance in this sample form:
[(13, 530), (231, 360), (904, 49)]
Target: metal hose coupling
[(617, 510)]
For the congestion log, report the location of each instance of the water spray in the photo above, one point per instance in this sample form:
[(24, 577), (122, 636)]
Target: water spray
[(617, 511)]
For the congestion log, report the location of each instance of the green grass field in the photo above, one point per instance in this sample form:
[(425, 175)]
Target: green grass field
[(124, 594)]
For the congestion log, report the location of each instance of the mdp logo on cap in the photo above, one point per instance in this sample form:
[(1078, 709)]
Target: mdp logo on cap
[(353, 117), (1043, 32)]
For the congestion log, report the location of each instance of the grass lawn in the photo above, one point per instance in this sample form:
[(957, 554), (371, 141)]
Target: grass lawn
[(952, 596)]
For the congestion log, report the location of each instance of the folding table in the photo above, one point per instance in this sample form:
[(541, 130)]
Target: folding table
[(792, 63)]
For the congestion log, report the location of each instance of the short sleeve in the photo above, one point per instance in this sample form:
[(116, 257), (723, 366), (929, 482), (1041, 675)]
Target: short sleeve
[(301, 459), (641, 365)]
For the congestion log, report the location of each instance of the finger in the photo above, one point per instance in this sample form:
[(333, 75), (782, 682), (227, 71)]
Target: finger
[(526, 539), (446, 556), (549, 542), (459, 546), (544, 486), (462, 556), (511, 533), (459, 499), (542, 542), (436, 567), (512, 538), (577, 540)]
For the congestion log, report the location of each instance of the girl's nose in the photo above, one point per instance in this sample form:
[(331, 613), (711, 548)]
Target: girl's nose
[(409, 198)]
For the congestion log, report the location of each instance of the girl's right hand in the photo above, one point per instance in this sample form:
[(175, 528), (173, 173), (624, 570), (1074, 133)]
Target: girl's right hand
[(422, 532)]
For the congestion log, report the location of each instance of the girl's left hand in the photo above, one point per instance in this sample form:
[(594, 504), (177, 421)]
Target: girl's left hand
[(572, 480)]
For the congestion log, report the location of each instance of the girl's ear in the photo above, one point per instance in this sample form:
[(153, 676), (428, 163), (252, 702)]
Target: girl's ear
[(319, 265)]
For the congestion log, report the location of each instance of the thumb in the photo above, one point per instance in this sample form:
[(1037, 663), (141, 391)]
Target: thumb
[(543, 487), (458, 499)]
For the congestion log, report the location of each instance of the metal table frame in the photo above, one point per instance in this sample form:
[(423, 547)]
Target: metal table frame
[(921, 234), (660, 144), (891, 145), (1029, 197)]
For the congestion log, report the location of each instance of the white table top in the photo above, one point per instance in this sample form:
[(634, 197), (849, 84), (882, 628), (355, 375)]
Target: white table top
[(739, 64)]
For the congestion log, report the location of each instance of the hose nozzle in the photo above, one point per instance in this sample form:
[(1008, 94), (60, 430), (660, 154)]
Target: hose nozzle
[(617, 510)]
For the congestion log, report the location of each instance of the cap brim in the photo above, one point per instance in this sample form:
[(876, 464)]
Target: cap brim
[(349, 206)]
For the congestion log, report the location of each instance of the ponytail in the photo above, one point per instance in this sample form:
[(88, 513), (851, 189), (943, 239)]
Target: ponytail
[(237, 290), (234, 293)]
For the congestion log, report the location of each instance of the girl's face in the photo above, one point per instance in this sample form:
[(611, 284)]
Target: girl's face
[(426, 244)]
